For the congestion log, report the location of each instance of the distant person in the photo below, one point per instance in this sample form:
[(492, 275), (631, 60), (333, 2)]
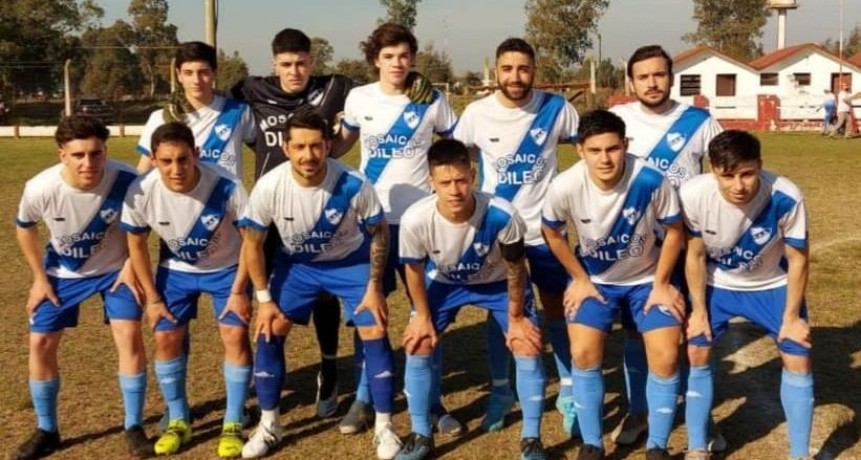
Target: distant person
[(829, 104), (844, 112), (3, 111)]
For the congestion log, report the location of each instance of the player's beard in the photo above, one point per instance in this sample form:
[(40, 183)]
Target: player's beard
[(652, 105), (526, 88)]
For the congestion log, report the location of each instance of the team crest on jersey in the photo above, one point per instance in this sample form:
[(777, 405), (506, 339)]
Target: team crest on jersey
[(108, 215), (316, 97), (223, 131), (676, 141), (334, 216), (539, 135), (631, 215), (210, 221), (412, 119), (760, 235), (481, 249)]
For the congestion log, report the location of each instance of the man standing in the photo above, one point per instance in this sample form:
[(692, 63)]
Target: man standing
[(335, 240), (80, 200), (194, 208), (828, 108), (516, 130), (844, 112)]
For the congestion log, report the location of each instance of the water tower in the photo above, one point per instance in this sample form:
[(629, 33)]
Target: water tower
[(782, 6)]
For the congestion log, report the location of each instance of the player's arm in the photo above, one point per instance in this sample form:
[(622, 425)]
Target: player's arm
[(344, 140), (374, 299), (255, 265), (695, 275), (155, 307), (663, 292), (581, 288), (28, 240), (421, 325), (519, 327), (144, 164), (238, 302), (797, 272)]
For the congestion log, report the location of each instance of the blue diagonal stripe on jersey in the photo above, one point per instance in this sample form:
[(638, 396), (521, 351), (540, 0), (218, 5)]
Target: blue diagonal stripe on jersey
[(333, 214), (404, 128), (210, 218), (759, 234), (636, 205), (531, 145), (677, 137), (78, 252), (472, 260), (216, 142)]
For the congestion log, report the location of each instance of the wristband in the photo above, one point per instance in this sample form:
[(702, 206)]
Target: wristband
[(263, 295)]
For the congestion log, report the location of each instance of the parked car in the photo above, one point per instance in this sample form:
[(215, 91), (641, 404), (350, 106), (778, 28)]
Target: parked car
[(94, 107)]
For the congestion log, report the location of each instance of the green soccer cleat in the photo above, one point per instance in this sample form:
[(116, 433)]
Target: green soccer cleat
[(178, 433), (230, 444)]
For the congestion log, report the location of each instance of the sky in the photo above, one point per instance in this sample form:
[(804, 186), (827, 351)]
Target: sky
[(468, 30)]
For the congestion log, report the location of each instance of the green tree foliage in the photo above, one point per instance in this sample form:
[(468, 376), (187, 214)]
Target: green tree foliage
[(111, 70), (560, 31), (734, 27), (357, 70), (401, 12), (435, 65), (851, 43), (155, 39), (231, 69), (323, 53)]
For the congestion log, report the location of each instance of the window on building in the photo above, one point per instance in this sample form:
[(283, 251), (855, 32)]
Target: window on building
[(802, 79), (725, 84), (768, 79), (690, 85)]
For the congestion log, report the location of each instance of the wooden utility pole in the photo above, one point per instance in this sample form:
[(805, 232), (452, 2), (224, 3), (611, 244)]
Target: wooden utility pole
[(211, 18)]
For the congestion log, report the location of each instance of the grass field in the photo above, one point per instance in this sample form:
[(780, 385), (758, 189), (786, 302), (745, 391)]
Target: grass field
[(747, 397)]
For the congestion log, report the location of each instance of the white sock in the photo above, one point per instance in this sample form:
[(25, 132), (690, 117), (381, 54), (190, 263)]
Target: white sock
[(381, 421), (270, 417)]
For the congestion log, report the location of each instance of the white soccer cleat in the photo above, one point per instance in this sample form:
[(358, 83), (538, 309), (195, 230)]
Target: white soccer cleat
[(265, 438), (387, 442)]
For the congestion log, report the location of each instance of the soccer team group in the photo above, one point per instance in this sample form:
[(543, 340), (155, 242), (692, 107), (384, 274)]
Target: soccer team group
[(671, 252)]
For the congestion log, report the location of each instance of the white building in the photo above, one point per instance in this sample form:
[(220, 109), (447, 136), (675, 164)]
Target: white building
[(730, 86)]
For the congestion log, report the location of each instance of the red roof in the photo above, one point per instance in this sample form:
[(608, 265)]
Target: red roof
[(855, 60), (680, 58), (780, 55)]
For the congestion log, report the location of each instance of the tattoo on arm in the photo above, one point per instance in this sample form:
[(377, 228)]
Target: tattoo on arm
[(516, 284), (379, 250)]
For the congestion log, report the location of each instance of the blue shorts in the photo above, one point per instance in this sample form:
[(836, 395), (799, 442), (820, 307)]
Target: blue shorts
[(181, 292), (446, 300), (677, 278), (763, 308), (296, 286), (545, 270), (119, 305), (627, 300)]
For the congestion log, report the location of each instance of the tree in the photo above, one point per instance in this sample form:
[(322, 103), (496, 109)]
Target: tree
[(323, 53), (733, 27), (231, 69), (851, 44), (155, 40), (111, 68), (357, 70), (435, 65), (401, 12), (560, 31)]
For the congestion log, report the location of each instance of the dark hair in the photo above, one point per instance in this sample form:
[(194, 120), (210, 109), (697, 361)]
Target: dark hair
[(515, 45), (175, 132), (309, 119), (80, 127), (732, 147), (599, 122), (196, 51), (388, 34), (291, 41), (647, 52), (445, 152)]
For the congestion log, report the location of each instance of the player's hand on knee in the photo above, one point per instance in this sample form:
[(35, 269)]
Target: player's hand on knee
[(40, 291), (127, 277), (240, 304), (419, 329), (267, 314), (419, 88), (698, 324), (668, 297), (797, 330), (374, 301), (523, 336), (577, 292), (156, 310)]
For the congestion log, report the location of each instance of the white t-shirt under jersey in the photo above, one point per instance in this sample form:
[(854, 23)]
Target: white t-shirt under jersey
[(645, 130), (497, 132), (460, 253), (316, 224), (151, 205), (629, 257), (394, 140), (68, 213), (202, 122), (745, 243)]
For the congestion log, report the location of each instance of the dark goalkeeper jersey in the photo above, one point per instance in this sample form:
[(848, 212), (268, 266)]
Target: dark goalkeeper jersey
[(272, 107)]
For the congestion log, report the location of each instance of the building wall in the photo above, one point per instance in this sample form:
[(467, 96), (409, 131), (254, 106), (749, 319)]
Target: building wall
[(818, 66), (708, 67)]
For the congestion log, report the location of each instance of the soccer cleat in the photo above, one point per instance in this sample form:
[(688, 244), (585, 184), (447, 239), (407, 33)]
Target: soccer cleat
[(447, 425), (326, 406), (657, 453), (565, 406), (590, 452), (498, 407), (531, 449), (716, 441), (266, 437), (137, 444), (178, 432), (416, 447), (697, 455), (387, 443), (40, 444), (230, 443), (358, 418), (630, 429)]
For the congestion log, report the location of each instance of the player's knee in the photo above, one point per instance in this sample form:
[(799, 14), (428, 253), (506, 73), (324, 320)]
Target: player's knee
[(44, 346), (797, 364), (585, 357), (698, 356), (168, 344), (371, 332), (235, 340), (127, 334), (521, 348)]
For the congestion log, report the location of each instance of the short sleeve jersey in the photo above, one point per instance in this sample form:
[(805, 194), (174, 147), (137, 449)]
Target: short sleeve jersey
[(615, 227), (745, 243), (675, 142), (518, 149), (465, 253), (219, 132), (395, 135), (198, 229), (317, 224), (84, 238)]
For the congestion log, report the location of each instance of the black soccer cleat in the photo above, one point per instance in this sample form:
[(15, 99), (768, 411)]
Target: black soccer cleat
[(137, 444), (40, 444)]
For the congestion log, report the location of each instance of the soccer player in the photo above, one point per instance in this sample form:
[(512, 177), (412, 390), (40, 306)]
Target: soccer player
[(463, 247), (747, 256), (673, 137), (79, 200), (614, 201), (194, 208), (396, 134), (335, 240), (516, 130), (220, 125)]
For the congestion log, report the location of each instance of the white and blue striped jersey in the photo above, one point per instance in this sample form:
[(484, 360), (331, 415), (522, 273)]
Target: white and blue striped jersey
[(615, 227), (745, 243), (460, 253), (198, 229), (674, 142), (84, 238), (317, 224), (219, 132), (395, 135), (518, 150)]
